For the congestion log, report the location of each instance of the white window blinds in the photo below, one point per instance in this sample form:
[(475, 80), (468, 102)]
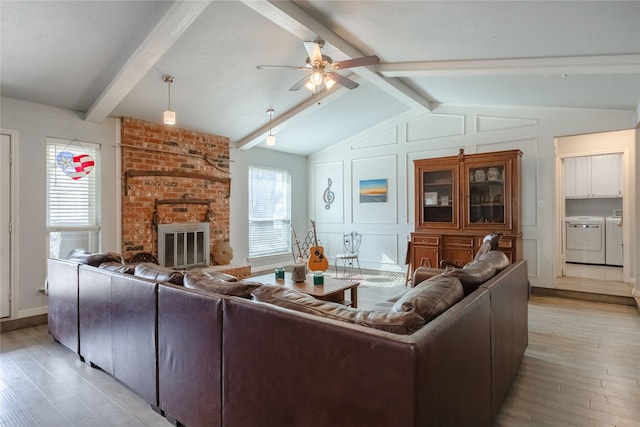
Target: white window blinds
[(269, 211), (72, 204)]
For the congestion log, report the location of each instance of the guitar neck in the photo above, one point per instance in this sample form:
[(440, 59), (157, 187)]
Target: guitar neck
[(315, 238)]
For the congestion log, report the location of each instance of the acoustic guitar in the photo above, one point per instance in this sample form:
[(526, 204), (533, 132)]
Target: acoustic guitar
[(317, 261)]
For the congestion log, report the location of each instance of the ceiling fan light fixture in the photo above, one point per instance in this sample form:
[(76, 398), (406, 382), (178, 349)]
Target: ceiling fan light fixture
[(271, 139), (169, 115), (329, 82), (309, 85), (316, 78)]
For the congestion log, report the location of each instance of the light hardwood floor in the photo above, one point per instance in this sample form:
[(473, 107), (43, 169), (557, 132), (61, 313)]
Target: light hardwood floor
[(582, 368)]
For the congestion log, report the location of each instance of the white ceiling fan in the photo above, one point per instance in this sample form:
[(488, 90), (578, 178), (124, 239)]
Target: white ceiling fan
[(322, 69)]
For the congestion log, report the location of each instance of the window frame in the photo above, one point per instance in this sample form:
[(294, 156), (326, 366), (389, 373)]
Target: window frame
[(83, 230), (280, 231)]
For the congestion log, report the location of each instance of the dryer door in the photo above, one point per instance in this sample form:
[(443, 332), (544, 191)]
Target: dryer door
[(584, 237)]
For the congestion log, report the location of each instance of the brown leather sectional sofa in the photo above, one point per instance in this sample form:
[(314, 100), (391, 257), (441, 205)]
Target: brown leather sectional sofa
[(206, 359)]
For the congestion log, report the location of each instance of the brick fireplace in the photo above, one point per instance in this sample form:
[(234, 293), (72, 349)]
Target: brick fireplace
[(172, 176)]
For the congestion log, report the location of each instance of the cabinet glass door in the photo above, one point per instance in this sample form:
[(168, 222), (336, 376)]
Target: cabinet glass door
[(438, 197), (487, 195)]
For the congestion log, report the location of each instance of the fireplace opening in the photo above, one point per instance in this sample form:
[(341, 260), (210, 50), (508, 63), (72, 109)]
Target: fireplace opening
[(183, 246)]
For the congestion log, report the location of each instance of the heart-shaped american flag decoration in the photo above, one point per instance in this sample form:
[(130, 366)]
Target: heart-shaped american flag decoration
[(75, 166)]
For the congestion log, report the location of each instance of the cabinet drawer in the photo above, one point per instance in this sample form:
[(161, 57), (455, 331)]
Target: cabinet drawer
[(462, 241), (505, 243), (426, 240)]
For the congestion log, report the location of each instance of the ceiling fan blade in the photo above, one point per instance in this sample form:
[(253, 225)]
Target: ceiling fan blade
[(313, 49), (290, 67), (356, 62), (300, 83), (344, 81)]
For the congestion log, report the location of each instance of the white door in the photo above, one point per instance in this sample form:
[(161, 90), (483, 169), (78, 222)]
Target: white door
[(5, 220)]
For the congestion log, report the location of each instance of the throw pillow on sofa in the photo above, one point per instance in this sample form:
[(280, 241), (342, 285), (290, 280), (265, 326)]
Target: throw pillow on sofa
[(149, 270), (118, 268), (83, 257), (400, 323), (499, 259), (238, 288), (432, 297), (472, 275)]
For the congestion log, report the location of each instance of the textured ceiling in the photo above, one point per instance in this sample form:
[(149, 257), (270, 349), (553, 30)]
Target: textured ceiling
[(106, 58)]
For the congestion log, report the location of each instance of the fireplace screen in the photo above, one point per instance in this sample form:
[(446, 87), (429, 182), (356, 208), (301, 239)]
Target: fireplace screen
[(183, 246)]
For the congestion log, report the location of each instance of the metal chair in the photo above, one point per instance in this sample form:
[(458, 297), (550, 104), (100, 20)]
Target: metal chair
[(350, 247)]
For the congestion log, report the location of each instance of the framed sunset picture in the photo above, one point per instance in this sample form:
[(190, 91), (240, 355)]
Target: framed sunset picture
[(373, 191)]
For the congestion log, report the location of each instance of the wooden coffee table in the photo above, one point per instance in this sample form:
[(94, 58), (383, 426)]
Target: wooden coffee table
[(333, 290)]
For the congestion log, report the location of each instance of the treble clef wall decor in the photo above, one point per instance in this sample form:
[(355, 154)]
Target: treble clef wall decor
[(328, 197)]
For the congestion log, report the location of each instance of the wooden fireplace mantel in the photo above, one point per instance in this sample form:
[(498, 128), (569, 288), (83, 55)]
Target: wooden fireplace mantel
[(174, 174)]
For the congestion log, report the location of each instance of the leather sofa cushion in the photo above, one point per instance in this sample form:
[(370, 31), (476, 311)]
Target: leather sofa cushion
[(238, 288), (83, 257), (400, 323), (499, 259), (118, 268), (472, 275), (432, 297), (149, 270)]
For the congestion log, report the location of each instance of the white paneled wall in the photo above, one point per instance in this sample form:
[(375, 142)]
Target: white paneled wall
[(388, 150)]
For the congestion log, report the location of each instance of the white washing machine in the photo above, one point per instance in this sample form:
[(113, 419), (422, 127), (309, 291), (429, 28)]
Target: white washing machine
[(613, 241), (585, 239)]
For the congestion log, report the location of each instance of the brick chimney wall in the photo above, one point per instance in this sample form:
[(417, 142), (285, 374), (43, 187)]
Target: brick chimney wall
[(163, 163)]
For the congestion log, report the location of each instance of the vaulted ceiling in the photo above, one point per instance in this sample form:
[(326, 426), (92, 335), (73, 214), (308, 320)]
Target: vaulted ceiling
[(107, 58)]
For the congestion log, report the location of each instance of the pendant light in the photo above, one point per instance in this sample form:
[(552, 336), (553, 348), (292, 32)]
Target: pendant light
[(169, 116), (271, 139)]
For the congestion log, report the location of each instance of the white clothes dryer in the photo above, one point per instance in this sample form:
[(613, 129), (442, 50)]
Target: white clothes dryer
[(585, 239)]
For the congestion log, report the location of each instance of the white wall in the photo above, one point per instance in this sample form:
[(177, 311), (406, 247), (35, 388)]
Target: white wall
[(385, 151), (636, 178), (33, 124), (239, 166), (388, 150)]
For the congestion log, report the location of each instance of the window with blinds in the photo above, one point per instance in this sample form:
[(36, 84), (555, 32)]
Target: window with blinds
[(269, 211), (73, 196)]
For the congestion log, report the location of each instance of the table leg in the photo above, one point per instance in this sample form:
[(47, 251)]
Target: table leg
[(354, 297)]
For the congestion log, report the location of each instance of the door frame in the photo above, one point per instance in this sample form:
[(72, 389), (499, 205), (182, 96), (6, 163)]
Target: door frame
[(13, 215), (588, 145)]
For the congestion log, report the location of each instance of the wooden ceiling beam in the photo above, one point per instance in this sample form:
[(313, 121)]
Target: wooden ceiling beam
[(173, 24), (293, 19), (544, 66)]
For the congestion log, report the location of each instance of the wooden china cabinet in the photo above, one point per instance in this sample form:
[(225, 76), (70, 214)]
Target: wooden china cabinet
[(459, 200)]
